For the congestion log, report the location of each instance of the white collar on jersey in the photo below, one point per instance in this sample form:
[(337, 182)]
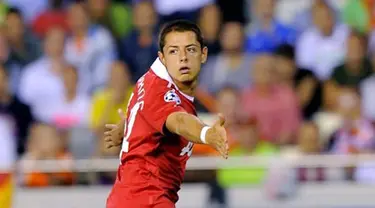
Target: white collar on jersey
[(161, 71)]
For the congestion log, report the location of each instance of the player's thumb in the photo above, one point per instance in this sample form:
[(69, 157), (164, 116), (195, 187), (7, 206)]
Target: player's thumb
[(220, 120), (121, 114)]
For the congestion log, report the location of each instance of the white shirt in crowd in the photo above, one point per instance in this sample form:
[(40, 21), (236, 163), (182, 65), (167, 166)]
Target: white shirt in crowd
[(93, 60), (322, 54), (42, 89), (74, 113), (7, 143)]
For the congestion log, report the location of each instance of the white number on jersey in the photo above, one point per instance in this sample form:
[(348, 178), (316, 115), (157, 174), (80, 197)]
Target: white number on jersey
[(188, 149), (129, 127)]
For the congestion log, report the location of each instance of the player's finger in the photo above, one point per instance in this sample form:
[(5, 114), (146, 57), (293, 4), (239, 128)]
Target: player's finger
[(220, 148), (107, 139), (107, 133), (224, 149), (122, 114), (108, 145), (220, 121), (116, 143), (224, 153), (110, 126)]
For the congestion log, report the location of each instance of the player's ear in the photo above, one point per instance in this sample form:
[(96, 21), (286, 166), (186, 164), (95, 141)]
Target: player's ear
[(161, 57), (204, 55)]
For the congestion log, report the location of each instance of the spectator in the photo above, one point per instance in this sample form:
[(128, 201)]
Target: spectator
[(274, 106), (209, 21), (55, 16), (266, 32), (307, 86), (309, 144), (308, 141), (139, 49), (30, 9), (303, 19), (114, 16), (74, 110), (41, 85), (356, 135), (107, 102), (24, 46), (231, 66), (46, 142), (321, 47), (12, 66), (350, 74), (18, 47), (90, 48), (244, 139), (18, 112)]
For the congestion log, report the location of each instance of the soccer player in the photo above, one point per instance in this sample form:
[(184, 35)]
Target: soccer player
[(161, 125)]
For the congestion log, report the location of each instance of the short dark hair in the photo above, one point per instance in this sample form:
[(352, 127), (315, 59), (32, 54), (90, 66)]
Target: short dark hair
[(15, 11), (286, 51), (180, 26)]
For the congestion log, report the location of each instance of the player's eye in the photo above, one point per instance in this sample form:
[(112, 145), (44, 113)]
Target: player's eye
[(173, 51), (192, 50)]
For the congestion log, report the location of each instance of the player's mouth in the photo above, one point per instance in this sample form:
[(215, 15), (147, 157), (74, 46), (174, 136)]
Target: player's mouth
[(185, 70)]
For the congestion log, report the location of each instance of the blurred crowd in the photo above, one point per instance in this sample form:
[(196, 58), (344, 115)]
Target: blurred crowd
[(298, 85)]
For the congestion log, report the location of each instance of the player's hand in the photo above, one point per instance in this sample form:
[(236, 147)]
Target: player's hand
[(115, 132), (216, 137)]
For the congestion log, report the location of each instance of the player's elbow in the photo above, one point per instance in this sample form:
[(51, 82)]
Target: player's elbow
[(174, 122)]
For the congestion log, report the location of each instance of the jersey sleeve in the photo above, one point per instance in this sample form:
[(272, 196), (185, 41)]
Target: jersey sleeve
[(159, 103)]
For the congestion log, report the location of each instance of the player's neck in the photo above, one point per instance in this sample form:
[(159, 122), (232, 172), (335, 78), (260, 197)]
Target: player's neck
[(187, 87)]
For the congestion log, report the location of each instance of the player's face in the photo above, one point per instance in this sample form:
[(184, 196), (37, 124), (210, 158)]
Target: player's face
[(183, 56)]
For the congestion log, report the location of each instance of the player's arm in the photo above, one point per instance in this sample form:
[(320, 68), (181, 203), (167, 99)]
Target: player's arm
[(194, 130)]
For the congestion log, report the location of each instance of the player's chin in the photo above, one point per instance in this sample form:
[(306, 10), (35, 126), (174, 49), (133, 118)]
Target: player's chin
[(185, 78)]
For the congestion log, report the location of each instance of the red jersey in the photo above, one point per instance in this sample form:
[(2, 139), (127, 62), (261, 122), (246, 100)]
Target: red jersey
[(153, 160)]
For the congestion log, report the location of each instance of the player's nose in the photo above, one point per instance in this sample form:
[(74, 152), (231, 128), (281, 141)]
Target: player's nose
[(183, 57)]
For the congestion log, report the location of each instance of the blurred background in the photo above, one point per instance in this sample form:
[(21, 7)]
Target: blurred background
[(294, 78)]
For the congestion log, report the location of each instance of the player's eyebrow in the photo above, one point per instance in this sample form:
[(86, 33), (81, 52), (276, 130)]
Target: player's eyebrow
[(191, 45), (174, 46)]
